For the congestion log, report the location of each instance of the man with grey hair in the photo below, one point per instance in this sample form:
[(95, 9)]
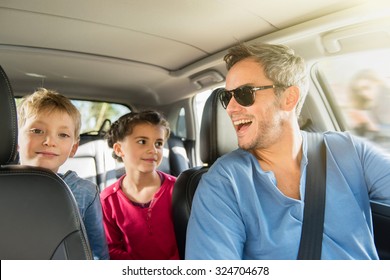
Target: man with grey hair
[(250, 203)]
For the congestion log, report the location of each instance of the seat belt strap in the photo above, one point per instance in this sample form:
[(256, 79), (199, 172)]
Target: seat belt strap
[(314, 210)]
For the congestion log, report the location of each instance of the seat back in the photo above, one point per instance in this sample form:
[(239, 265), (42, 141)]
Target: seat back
[(381, 223), (39, 216), (93, 161), (178, 158), (217, 137)]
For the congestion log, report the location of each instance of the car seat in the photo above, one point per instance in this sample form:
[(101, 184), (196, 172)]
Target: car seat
[(217, 137), (39, 216)]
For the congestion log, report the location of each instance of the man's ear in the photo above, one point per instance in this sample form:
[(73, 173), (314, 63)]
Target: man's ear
[(74, 149), (291, 98)]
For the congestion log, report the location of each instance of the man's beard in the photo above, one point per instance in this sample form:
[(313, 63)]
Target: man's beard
[(268, 132)]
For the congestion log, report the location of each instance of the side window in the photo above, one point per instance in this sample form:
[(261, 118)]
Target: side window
[(181, 129), (360, 85), (200, 100), (94, 114)]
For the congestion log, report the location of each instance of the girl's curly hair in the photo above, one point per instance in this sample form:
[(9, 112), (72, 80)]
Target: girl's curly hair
[(125, 124)]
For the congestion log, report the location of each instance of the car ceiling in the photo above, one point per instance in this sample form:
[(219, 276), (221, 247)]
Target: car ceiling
[(136, 52)]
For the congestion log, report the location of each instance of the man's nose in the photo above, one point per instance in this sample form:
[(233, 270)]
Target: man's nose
[(232, 105)]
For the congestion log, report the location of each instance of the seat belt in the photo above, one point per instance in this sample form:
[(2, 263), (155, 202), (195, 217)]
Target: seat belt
[(314, 210)]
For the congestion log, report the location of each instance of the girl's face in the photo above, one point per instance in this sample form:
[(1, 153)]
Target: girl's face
[(142, 150)]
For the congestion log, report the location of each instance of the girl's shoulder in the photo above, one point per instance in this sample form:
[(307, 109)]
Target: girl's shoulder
[(112, 189), (167, 178)]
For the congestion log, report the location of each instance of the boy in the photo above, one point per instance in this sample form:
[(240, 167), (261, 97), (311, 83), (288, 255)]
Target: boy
[(49, 128)]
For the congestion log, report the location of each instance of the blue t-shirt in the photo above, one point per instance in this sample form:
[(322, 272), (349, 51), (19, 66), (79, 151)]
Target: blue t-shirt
[(87, 197), (239, 213)]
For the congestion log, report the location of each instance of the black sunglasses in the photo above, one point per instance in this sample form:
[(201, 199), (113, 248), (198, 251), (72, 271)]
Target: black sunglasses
[(244, 95)]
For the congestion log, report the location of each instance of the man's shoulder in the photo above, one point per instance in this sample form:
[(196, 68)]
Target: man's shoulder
[(232, 162), (342, 143), (238, 155), (337, 137), (342, 139)]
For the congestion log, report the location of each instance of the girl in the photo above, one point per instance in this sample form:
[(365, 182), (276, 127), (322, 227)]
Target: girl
[(137, 208)]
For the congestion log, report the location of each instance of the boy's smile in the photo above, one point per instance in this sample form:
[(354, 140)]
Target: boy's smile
[(47, 140)]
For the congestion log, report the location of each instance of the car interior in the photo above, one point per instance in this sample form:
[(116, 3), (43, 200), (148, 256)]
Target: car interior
[(168, 56)]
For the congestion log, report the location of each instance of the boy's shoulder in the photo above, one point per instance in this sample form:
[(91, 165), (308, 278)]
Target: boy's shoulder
[(74, 181)]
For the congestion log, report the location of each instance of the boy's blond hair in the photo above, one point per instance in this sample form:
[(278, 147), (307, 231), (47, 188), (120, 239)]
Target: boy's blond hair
[(44, 100)]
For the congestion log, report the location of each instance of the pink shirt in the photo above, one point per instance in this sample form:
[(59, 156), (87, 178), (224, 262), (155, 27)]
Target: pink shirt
[(140, 233)]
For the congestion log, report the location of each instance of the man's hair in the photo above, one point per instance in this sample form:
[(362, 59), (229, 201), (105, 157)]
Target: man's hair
[(44, 100), (280, 64), (124, 126)]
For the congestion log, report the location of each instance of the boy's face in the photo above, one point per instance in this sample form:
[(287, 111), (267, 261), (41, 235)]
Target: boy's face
[(47, 140)]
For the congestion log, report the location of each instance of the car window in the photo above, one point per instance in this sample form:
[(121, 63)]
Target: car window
[(199, 102), (94, 115), (181, 129), (360, 87)]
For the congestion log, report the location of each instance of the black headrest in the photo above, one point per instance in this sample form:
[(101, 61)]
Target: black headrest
[(8, 121), (217, 134)]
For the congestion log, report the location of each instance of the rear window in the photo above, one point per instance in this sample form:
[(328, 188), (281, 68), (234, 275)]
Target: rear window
[(96, 115)]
